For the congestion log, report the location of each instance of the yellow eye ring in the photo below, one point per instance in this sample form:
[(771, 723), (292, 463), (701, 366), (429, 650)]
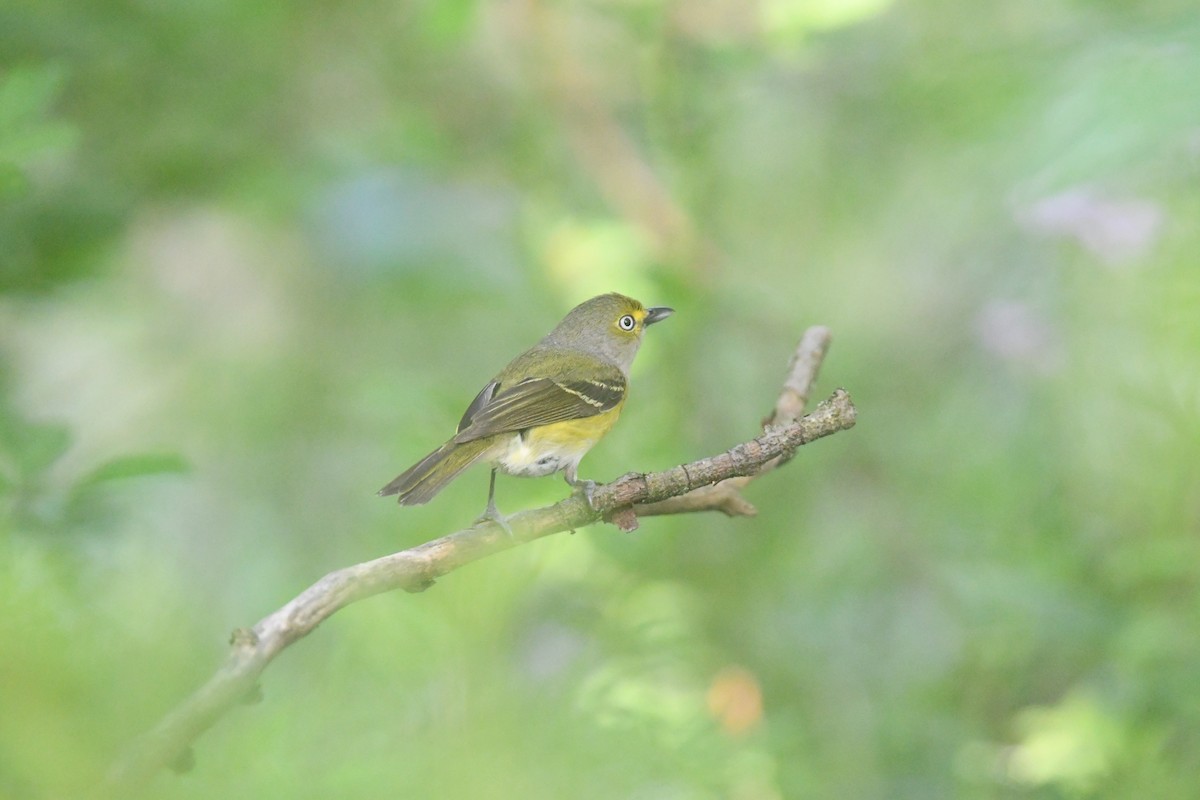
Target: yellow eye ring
[(627, 322)]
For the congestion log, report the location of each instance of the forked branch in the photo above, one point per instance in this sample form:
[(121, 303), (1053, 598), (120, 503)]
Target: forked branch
[(712, 483)]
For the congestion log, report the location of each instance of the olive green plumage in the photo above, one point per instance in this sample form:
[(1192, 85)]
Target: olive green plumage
[(548, 407)]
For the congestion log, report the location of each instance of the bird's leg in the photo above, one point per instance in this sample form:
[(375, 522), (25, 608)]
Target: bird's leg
[(491, 513), (585, 487)]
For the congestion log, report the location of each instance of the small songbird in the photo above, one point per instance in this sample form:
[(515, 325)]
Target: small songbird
[(543, 412)]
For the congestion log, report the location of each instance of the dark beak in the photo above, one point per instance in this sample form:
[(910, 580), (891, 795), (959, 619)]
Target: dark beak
[(657, 314)]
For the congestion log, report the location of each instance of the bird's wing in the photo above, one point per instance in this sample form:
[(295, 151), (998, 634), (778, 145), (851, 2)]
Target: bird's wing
[(532, 402), (482, 399)]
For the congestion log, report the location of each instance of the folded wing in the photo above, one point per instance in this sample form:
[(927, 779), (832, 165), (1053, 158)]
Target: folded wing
[(539, 401)]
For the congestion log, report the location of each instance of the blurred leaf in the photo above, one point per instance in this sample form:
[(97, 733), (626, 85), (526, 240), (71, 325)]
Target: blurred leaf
[(137, 466), (95, 505), (1072, 745)]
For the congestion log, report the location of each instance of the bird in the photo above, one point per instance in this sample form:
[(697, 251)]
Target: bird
[(544, 411)]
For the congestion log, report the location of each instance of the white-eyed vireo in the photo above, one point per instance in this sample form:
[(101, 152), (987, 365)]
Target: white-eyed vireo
[(547, 408)]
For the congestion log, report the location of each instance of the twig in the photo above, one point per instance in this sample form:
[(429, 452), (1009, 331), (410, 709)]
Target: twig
[(708, 484), (726, 496)]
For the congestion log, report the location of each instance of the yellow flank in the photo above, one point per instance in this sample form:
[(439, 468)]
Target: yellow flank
[(583, 432), (549, 448)]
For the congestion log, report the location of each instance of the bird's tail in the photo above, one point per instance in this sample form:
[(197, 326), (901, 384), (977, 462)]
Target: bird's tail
[(420, 482)]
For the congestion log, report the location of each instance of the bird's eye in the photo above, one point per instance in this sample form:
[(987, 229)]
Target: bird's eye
[(627, 322)]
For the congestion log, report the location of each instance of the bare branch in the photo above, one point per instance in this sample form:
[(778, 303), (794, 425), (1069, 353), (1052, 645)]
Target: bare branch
[(707, 484), (802, 374), (726, 496)]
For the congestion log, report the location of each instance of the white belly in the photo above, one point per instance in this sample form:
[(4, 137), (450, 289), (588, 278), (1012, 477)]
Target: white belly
[(520, 459)]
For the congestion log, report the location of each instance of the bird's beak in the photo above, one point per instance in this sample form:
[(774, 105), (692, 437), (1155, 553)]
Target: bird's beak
[(657, 314)]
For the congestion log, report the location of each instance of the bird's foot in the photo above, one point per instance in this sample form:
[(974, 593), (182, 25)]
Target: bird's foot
[(492, 514), (588, 490)]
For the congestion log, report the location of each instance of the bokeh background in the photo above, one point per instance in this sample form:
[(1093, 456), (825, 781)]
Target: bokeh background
[(256, 258)]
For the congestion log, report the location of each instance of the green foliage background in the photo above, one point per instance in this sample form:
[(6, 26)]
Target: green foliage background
[(255, 259)]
